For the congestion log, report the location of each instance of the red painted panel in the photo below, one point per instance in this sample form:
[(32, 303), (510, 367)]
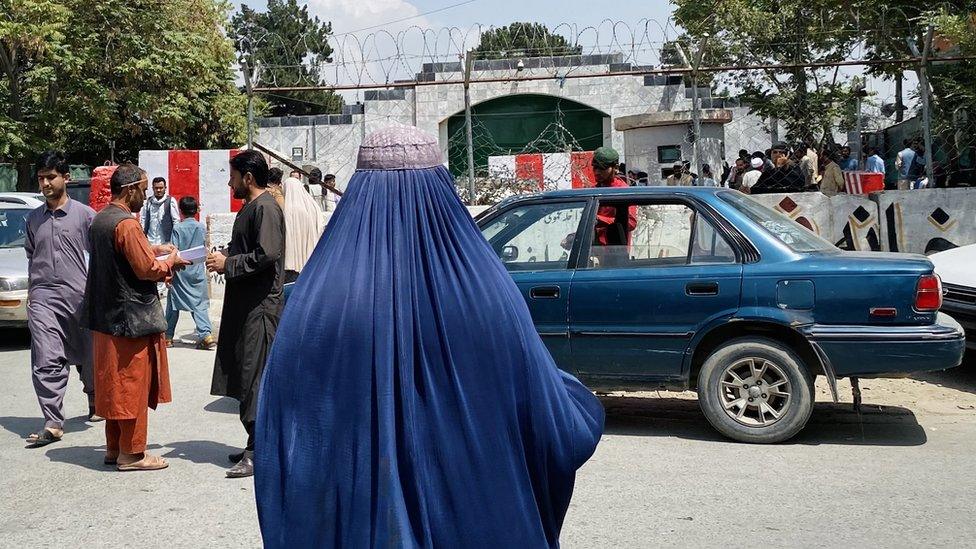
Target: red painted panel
[(100, 193), (528, 167), (582, 166), (184, 174), (235, 204)]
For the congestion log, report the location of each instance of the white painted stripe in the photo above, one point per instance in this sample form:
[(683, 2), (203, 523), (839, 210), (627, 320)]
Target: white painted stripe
[(501, 167), (156, 164), (556, 171), (214, 173)]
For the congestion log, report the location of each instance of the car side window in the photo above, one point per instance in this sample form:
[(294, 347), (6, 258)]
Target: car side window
[(629, 235), (709, 246), (535, 237)]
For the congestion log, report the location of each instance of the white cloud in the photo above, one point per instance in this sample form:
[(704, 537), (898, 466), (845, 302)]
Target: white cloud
[(375, 42), (350, 15)]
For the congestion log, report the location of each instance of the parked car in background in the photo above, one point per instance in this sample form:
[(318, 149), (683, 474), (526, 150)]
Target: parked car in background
[(712, 291), (13, 263), (957, 267), (31, 200)]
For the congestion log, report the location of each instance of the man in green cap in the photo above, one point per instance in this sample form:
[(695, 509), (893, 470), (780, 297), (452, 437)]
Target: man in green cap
[(610, 229)]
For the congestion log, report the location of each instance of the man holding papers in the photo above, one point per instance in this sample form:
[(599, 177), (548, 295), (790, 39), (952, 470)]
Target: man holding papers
[(188, 290)]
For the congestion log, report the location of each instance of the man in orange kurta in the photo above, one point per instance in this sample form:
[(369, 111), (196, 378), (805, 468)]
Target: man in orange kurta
[(123, 311)]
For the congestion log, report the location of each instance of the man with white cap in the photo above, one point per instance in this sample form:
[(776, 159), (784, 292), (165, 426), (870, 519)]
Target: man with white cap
[(752, 176)]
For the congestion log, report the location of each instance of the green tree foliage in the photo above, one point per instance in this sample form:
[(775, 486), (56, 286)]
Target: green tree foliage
[(808, 102), (523, 40), (292, 49), (145, 73), (812, 100)]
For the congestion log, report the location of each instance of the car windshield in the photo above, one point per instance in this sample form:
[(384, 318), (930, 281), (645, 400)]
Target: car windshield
[(13, 230), (791, 233)]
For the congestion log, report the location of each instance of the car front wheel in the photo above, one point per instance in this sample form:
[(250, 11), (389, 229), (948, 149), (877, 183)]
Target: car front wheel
[(756, 390)]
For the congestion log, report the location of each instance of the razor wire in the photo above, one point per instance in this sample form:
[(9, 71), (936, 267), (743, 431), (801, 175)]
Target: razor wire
[(851, 95)]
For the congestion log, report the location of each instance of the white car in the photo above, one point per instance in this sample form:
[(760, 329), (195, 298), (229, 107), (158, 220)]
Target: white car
[(31, 200), (13, 262), (956, 268)]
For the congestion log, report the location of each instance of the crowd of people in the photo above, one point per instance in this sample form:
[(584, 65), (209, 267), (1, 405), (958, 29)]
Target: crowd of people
[(96, 282), (376, 389), (801, 167)]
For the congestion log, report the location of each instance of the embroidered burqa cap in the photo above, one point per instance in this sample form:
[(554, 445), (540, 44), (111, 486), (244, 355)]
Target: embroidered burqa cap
[(408, 400), (399, 148)]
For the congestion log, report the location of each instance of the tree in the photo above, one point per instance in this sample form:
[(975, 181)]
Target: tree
[(31, 36), (144, 73), (523, 40), (808, 101), (292, 49)]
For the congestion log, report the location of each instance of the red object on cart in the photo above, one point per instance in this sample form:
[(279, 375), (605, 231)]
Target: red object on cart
[(863, 182), (100, 193)]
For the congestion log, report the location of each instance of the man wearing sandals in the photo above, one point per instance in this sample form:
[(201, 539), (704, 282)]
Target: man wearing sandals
[(123, 311), (56, 242)]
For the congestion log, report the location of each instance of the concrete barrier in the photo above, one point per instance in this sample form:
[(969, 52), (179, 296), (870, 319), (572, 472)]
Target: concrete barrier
[(929, 219), (896, 221), (812, 210)]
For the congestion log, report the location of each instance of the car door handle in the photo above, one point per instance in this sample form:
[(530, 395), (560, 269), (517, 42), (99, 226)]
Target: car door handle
[(701, 288), (544, 292)]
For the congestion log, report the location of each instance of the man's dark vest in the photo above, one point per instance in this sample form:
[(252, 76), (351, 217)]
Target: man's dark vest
[(117, 302), (165, 225)]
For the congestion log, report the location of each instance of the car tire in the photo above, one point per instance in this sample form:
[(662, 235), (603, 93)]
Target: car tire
[(756, 390)]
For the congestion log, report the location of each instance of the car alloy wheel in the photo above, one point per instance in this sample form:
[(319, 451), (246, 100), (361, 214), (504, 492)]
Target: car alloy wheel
[(755, 392)]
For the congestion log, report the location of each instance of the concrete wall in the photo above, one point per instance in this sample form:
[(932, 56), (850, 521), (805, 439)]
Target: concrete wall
[(641, 150), (894, 221), (333, 146)]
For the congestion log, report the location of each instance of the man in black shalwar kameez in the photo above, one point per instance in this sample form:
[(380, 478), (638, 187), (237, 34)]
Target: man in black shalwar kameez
[(253, 298)]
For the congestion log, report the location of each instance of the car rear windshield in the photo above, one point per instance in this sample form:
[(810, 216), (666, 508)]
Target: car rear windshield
[(791, 233)]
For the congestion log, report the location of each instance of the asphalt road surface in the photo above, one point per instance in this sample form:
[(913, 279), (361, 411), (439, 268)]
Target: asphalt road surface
[(902, 473)]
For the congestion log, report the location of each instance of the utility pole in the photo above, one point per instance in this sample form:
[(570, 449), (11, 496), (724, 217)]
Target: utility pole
[(693, 61), (469, 132), (926, 93), (250, 77), (861, 92)]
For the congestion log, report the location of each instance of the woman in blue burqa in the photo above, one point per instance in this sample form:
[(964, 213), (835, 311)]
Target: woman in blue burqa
[(408, 400)]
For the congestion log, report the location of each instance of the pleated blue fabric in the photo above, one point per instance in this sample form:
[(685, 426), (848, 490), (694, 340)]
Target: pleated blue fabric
[(408, 400)]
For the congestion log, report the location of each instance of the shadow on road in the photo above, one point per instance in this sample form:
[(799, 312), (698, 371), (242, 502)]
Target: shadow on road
[(962, 378), (23, 426), (830, 424), (224, 405), (14, 339), (202, 451), (89, 457)]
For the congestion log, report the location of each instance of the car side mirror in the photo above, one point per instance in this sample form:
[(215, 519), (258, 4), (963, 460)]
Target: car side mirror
[(509, 254)]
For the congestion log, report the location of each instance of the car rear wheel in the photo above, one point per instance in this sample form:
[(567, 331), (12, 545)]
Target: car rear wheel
[(755, 390)]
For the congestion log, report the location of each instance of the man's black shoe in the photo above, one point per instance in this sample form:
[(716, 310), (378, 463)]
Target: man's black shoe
[(244, 468)]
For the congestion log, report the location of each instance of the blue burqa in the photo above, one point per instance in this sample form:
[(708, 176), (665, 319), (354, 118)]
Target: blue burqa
[(408, 400)]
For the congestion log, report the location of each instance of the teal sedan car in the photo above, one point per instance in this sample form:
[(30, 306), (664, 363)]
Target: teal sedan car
[(705, 289)]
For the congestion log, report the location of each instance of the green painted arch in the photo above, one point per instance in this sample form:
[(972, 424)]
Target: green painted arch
[(520, 124)]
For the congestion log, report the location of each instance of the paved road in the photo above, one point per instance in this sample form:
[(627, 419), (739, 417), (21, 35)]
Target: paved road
[(888, 477)]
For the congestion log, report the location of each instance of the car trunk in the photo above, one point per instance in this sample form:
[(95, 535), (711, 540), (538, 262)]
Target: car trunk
[(869, 288)]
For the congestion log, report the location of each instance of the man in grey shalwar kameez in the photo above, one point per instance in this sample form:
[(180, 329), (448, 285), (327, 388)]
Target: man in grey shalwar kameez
[(57, 254)]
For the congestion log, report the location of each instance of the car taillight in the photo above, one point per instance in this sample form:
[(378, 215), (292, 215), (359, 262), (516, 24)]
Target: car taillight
[(928, 293)]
